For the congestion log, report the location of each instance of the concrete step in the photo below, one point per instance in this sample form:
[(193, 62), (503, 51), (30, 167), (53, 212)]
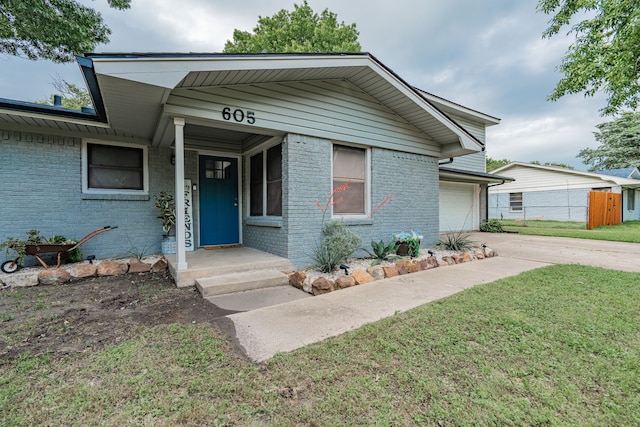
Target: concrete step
[(240, 282)]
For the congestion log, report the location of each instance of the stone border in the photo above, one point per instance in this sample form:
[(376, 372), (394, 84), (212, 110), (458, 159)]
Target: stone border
[(360, 276), (33, 276)]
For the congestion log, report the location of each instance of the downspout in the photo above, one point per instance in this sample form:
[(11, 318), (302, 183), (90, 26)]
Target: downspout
[(446, 162)]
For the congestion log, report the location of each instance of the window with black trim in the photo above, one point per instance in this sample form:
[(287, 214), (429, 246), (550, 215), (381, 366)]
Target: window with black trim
[(350, 172), (119, 168), (631, 200), (515, 201), (265, 182)]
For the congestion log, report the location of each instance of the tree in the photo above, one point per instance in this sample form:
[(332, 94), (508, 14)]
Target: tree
[(493, 164), (557, 164), (52, 29), (73, 96), (605, 56), (620, 141), (299, 31)]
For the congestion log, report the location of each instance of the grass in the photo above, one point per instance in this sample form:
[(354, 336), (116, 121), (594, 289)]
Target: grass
[(629, 231), (554, 346)]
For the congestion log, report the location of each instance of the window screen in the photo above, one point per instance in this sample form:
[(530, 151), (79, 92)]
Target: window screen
[(114, 167), (515, 201), (350, 165)]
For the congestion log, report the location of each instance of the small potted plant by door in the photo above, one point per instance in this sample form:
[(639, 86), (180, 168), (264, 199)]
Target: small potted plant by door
[(166, 206)]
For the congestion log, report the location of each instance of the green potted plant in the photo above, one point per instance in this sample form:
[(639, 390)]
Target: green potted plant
[(408, 243), (166, 205)]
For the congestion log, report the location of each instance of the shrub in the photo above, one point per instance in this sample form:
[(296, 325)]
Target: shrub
[(338, 244), (492, 226), (456, 241), (382, 252)]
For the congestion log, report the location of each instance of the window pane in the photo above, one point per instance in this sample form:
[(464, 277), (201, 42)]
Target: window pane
[(352, 198), (113, 167), (349, 162), (350, 165), (274, 198), (274, 180), (515, 201), (255, 186)]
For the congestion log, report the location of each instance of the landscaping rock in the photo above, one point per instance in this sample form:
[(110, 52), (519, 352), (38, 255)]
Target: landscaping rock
[(322, 286), (307, 285), (406, 266), (361, 276), (447, 260), (159, 266), (81, 271), (19, 279), (427, 263), (136, 266), (479, 254), (296, 279), (111, 268), (345, 281), (390, 271), (376, 272), (53, 276)]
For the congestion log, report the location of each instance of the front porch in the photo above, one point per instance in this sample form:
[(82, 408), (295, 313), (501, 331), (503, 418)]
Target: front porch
[(217, 267)]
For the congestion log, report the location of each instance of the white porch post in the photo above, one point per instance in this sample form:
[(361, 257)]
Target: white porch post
[(181, 256)]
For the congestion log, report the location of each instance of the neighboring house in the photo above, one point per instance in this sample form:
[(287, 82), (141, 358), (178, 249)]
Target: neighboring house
[(631, 173), (463, 180), (555, 193), (248, 143)]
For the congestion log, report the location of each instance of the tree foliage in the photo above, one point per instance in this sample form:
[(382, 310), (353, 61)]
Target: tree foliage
[(605, 56), (301, 30), (52, 29), (73, 97), (557, 164), (493, 164), (620, 147)]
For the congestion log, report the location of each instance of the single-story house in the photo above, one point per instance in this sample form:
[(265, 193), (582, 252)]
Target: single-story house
[(555, 193), (252, 145)]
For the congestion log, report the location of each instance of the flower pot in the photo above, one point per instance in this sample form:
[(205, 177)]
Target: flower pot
[(168, 245), (403, 249)]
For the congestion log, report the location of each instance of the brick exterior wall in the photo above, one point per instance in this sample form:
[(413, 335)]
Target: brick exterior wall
[(411, 179), (42, 190)]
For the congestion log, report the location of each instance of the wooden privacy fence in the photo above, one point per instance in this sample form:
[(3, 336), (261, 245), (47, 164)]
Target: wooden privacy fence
[(605, 208)]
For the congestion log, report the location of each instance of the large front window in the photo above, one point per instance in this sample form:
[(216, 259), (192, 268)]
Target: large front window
[(265, 182), (114, 168), (350, 170)]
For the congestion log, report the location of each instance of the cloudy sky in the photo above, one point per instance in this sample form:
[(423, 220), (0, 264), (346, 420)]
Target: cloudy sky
[(488, 55)]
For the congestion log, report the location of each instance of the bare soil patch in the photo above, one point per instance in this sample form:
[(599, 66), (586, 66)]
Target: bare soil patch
[(84, 315)]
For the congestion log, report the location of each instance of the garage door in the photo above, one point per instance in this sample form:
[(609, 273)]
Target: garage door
[(458, 206)]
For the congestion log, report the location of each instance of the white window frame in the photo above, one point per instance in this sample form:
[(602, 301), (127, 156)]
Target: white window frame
[(367, 185), (263, 148), (85, 168)]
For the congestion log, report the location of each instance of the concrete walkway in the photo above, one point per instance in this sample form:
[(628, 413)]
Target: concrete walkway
[(263, 332)]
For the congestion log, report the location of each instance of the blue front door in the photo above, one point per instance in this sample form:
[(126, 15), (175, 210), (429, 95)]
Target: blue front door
[(219, 219)]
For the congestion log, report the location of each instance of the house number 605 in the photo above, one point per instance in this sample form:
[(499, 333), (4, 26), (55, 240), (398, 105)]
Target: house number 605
[(238, 115)]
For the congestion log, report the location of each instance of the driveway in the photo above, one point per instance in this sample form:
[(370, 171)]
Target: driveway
[(563, 250)]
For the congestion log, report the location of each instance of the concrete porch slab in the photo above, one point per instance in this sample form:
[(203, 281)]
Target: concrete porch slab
[(210, 263)]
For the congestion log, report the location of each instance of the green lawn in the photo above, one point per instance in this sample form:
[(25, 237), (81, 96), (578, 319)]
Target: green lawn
[(554, 346), (629, 231)]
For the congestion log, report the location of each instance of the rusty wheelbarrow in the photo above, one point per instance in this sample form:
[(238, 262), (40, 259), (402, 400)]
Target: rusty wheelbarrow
[(34, 249)]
